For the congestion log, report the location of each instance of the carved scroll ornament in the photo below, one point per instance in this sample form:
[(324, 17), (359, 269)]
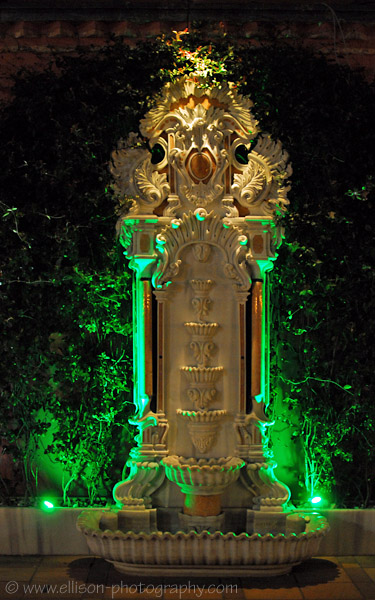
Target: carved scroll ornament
[(202, 229), (135, 177), (204, 150)]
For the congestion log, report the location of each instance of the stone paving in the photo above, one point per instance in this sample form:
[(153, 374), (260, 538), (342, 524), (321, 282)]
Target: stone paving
[(88, 577)]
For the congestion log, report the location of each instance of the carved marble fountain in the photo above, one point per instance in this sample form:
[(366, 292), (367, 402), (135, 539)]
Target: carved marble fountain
[(200, 496)]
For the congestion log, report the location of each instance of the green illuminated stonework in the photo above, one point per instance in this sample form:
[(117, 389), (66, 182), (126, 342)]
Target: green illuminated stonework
[(201, 237)]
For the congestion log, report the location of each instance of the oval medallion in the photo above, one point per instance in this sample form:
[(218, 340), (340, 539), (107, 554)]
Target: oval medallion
[(200, 166)]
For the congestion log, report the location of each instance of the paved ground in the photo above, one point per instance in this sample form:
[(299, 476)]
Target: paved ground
[(87, 577)]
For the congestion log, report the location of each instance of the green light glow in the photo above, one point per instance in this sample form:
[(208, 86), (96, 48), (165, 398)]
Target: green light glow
[(140, 397), (316, 500), (47, 505), (159, 246), (144, 400), (142, 422), (141, 267)]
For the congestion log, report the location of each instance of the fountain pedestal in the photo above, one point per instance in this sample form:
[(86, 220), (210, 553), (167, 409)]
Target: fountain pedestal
[(202, 506), (201, 236)]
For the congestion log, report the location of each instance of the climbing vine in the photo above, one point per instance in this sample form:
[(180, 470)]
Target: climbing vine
[(66, 377)]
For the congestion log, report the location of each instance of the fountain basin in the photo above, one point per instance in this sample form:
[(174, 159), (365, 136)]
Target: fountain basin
[(202, 553), (202, 426), (201, 331), (202, 416), (202, 476), (202, 374)]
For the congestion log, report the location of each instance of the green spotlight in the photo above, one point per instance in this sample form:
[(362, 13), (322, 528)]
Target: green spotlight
[(316, 500), (47, 505)]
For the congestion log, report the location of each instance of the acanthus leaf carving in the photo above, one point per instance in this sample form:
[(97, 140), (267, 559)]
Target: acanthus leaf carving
[(261, 185), (173, 269), (207, 396), (199, 129), (153, 186), (230, 272), (228, 101), (201, 398), (248, 185), (201, 230), (136, 177), (124, 163), (125, 231), (231, 210)]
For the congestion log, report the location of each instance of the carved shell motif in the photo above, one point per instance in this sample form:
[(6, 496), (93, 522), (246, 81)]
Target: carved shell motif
[(202, 230)]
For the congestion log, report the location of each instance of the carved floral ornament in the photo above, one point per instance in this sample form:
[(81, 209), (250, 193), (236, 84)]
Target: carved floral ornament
[(202, 230), (205, 152)]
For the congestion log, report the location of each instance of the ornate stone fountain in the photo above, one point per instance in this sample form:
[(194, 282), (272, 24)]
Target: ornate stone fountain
[(199, 494)]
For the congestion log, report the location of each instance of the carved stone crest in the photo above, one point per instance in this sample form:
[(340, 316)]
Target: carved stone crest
[(204, 151)]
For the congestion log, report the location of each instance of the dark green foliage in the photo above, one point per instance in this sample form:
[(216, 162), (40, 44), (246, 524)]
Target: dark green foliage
[(323, 282), (66, 311), (66, 289)]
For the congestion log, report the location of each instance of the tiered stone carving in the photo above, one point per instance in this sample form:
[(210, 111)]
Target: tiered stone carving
[(202, 379), (203, 424), (201, 302)]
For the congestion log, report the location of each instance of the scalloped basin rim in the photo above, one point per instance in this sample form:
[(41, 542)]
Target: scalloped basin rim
[(193, 369), (202, 413), (88, 523), (192, 324), (232, 463)]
